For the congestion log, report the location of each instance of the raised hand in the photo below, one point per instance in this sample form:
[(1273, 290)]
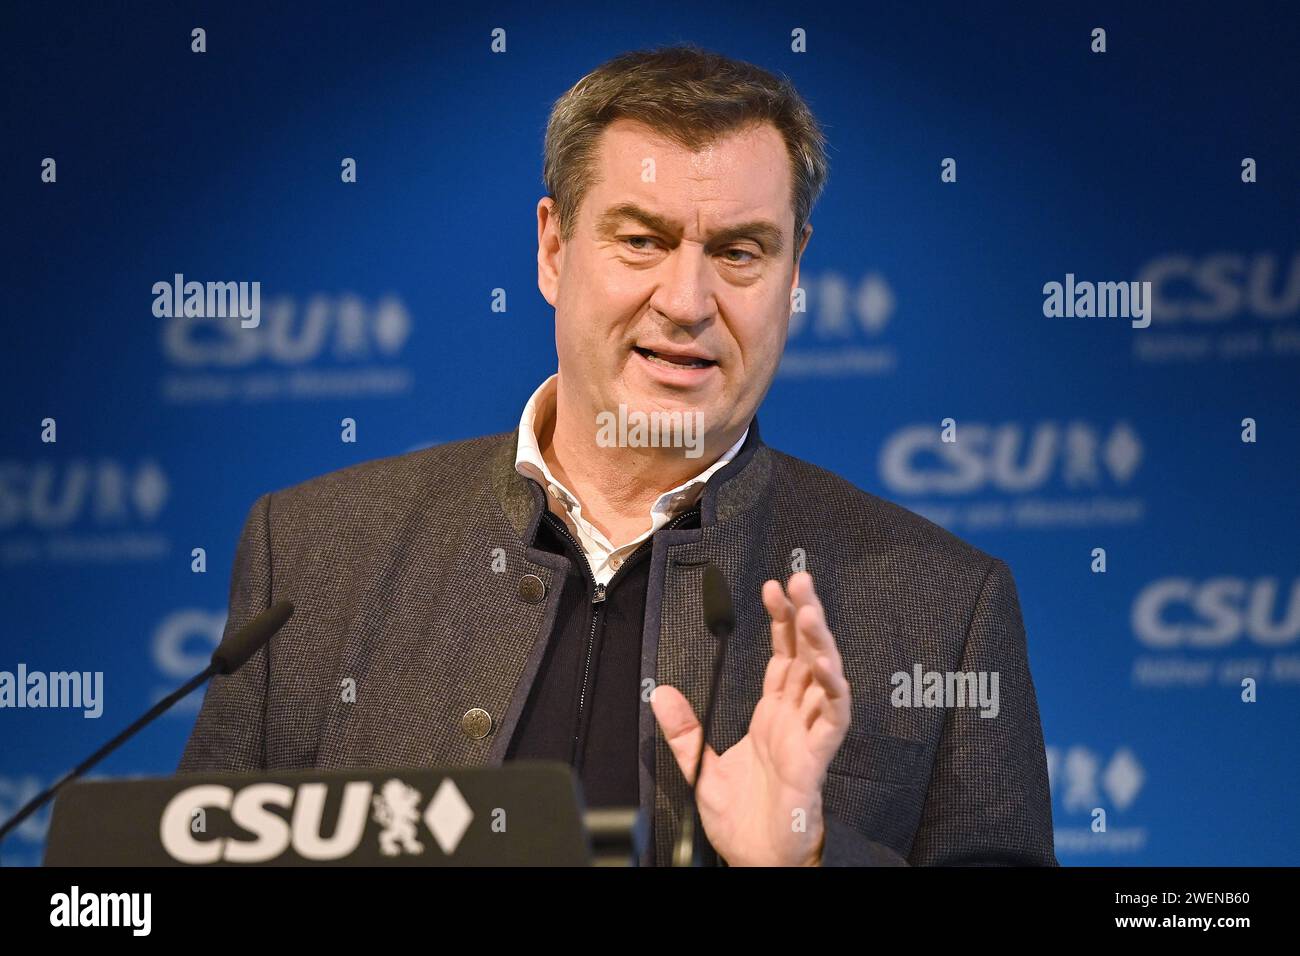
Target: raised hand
[(761, 801)]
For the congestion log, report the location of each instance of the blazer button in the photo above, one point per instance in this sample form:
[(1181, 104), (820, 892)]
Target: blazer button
[(476, 723), (532, 589)]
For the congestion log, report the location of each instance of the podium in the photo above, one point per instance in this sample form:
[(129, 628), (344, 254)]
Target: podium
[(526, 813)]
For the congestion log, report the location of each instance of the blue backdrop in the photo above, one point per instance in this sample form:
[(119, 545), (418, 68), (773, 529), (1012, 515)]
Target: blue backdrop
[(925, 302)]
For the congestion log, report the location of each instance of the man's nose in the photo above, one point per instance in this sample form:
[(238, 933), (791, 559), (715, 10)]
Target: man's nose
[(685, 295)]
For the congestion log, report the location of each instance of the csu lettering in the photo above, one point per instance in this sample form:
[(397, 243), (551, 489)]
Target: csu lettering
[(1179, 611), (250, 809)]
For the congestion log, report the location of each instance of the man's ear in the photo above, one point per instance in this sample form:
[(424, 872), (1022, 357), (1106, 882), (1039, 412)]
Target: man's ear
[(550, 250), (803, 244)]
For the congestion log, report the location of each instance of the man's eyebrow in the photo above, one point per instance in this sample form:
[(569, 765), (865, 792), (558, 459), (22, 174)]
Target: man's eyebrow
[(614, 215), (766, 233)]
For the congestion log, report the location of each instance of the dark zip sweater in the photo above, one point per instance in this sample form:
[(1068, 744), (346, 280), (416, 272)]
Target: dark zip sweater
[(585, 704)]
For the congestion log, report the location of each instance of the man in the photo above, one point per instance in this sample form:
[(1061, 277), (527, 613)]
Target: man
[(536, 594)]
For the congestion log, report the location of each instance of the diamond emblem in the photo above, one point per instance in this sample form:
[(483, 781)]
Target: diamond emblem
[(448, 816)]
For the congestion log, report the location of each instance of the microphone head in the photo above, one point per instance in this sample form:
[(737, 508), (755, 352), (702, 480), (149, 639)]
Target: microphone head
[(235, 650), (719, 613)]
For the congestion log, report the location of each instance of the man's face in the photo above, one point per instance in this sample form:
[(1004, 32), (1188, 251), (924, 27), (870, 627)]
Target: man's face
[(673, 293)]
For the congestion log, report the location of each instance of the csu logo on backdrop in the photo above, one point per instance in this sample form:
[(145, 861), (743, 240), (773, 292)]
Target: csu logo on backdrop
[(1203, 306), (344, 329), (1184, 612), (1223, 286), (1057, 474), (54, 496), (835, 327), (290, 820), (1092, 797), (331, 346), (1078, 778), (1240, 632), (1011, 458), (81, 511)]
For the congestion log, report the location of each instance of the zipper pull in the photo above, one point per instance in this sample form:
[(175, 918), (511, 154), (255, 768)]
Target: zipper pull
[(599, 595)]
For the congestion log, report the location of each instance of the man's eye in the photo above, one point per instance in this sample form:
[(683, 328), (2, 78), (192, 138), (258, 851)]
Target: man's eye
[(743, 252), (639, 239)]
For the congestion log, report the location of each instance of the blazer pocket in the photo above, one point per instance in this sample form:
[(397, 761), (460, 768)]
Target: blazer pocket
[(879, 757)]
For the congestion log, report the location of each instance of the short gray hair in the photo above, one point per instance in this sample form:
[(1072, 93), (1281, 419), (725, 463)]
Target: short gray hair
[(692, 97)]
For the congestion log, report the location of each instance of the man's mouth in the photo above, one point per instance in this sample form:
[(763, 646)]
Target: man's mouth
[(672, 360)]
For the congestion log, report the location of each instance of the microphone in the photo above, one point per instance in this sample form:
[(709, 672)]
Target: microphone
[(720, 619), (234, 652), (229, 656)]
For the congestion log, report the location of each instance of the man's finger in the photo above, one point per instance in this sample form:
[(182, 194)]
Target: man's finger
[(812, 635), (828, 696), (829, 675), (681, 729), (781, 611), (831, 722), (801, 590), (814, 702), (798, 678), (774, 676)]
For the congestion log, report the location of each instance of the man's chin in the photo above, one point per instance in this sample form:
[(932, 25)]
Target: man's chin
[(651, 398)]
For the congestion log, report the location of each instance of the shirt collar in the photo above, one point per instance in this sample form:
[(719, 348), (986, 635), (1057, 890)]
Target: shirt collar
[(530, 463)]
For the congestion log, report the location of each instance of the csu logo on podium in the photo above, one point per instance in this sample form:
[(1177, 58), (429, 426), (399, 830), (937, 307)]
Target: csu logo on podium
[(296, 830)]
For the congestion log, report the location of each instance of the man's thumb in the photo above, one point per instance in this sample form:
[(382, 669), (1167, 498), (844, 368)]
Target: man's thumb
[(680, 726)]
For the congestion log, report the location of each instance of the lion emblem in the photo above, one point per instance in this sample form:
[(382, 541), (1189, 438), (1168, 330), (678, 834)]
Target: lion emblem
[(395, 811)]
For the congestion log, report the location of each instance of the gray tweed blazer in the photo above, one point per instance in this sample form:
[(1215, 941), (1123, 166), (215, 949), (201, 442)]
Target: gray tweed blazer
[(390, 564)]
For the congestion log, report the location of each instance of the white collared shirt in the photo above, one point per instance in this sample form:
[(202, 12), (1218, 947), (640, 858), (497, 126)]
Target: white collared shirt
[(605, 559)]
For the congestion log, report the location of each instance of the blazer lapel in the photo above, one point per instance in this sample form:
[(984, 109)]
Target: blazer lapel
[(677, 648)]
